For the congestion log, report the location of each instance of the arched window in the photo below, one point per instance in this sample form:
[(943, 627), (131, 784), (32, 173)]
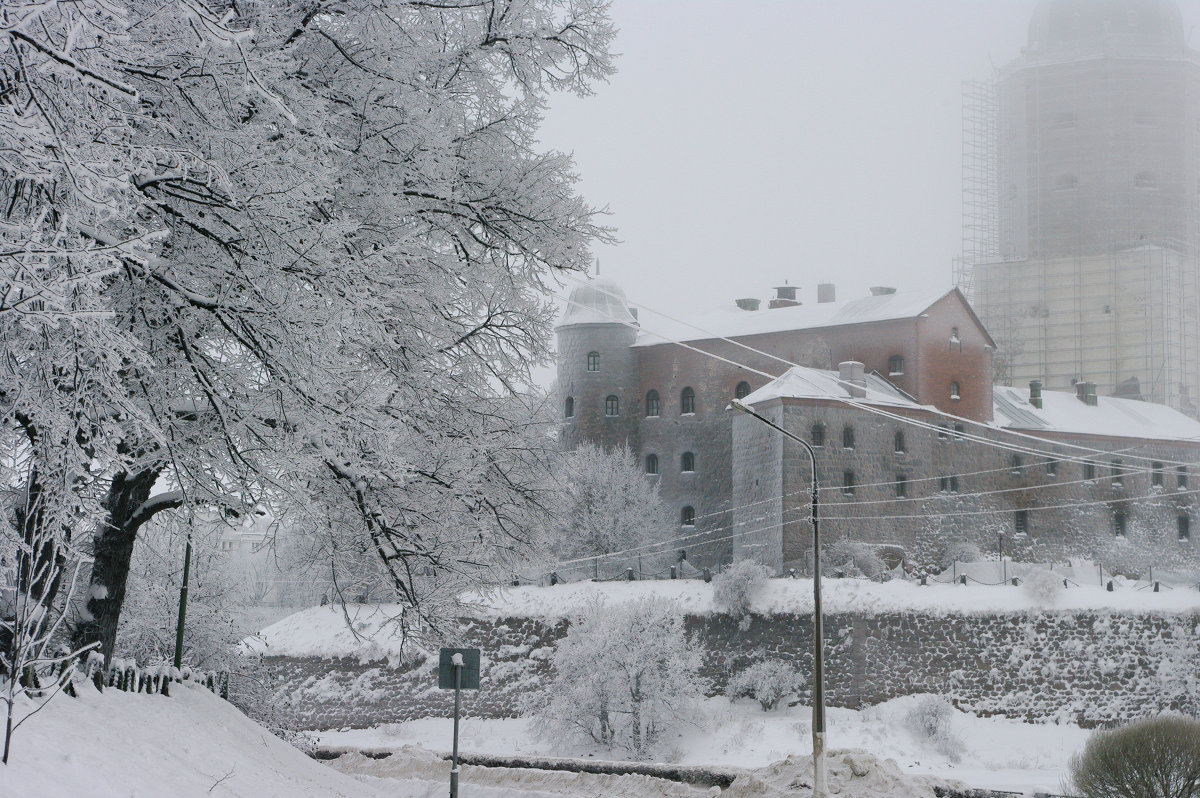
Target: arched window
[(848, 483), (612, 405), (818, 435), (651, 464), (847, 437), (1119, 523), (1117, 473), (899, 444), (569, 408), (593, 361), (687, 401), (742, 390), (651, 404), (1051, 467), (1181, 477), (901, 486), (1021, 522), (1014, 464), (687, 516), (1089, 471), (954, 393), (1156, 474), (895, 365), (687, 462), (1184, 524)]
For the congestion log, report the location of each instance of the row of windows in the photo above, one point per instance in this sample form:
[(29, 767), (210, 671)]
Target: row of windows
[(1070, 182), (687, 463), (687, 402)]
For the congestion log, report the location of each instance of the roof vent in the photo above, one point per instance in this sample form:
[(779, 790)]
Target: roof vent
[(850, 372), (1035, 393), (748, 304), (882, 290), (785, 297), (826, 292)]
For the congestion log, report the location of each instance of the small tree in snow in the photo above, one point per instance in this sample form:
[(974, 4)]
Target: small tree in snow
[(852, 558), (737, 586), (1043, 587), (624, 676), (960, 551), (931, 718), (767, 682)]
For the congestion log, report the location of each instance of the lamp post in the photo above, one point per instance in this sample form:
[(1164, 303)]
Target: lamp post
[(818, 690)]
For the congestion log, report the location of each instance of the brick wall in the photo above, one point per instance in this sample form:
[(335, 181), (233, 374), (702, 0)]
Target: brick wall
[(1087, 667)]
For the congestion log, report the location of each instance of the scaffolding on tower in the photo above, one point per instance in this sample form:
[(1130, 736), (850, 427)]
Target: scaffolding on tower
[(980, 182)]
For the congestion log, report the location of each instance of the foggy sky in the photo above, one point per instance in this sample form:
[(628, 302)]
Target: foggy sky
[(742, 144)]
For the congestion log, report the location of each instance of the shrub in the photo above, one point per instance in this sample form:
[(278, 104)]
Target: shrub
[(1153, 758), (767, 682), (737, 586), (960, 551), (851, 558), (624, 676), (1043, 587), (931, 718)]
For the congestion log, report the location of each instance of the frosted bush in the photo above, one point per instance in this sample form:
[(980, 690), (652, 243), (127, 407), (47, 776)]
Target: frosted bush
[(1151, 758), (960, 551), (737, 586), (851, 558), (1043, 587), (931, 718), (767, 682)]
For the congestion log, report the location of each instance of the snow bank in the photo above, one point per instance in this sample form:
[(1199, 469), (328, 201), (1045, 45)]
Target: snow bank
[(367, 632)]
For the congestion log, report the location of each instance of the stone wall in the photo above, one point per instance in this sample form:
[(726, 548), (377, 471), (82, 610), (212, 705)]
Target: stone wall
[(1087, 667)]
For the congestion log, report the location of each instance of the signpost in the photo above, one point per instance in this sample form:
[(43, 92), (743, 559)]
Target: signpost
[(458, 670)]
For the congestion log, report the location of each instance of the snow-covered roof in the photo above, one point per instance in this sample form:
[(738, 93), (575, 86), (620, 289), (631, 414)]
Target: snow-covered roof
[(731, 321), (799, 382), (600, 301), (1109, 417)]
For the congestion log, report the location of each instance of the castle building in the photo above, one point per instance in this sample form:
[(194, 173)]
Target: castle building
[(892, 390), (1082, 203)]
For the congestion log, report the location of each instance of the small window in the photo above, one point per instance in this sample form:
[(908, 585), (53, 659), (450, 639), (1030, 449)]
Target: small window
[(1021, 522), (742, 390), (818, 435), (1156, 475), (687, 516), (687, 401), (847, 437), (944, 484), (847, 483), (943, 431), (1015, 464), (1181, 477), (1119, 523), (1145, 180), (1184, 525), (954, 337), (960, 429), (1089, 471), (612, 405), (895, 366), (1066, 182), (569, 407), (954, 392), (898, 442), (651, 404), (651, 464), (687, 462), (901, 486), (1117, 473), (954, 484), (1051, 468), (593, 361)]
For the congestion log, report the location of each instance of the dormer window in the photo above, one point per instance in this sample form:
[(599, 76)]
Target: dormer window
[(895, 366), (593, 361)]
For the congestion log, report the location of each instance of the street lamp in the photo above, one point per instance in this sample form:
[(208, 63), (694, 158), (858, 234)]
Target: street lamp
[(818, 691)]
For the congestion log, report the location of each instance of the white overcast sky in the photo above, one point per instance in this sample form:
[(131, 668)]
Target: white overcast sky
[(743, 143)]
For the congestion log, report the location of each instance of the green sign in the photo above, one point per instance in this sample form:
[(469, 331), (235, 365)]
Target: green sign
[(469, 670)]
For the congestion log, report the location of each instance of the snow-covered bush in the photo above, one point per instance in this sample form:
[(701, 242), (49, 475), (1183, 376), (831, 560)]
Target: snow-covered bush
[(852, 558), (737, 586), (1043, 587), (931, 718), (1152, 758), (625, 676), (767, 682), (960, 551)]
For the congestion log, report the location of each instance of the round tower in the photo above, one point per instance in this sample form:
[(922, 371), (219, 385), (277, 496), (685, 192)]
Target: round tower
[(598, 395)]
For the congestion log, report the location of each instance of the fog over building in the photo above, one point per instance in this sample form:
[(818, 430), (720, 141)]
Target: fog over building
[(1081, 196)]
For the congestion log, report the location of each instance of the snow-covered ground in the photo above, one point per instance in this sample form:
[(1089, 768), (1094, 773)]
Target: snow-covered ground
[(991, 753), (322, 631)]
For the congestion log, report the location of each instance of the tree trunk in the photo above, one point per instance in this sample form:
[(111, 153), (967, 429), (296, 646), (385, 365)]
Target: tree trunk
[(113, 550)]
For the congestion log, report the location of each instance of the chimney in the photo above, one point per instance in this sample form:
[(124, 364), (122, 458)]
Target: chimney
[(826, 292), (785, 297), (1086, 392), (850, 372), (882, 290), (747, 304), (1035, 393)]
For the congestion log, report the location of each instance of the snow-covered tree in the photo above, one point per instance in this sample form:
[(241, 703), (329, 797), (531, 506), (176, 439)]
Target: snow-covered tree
[(311, 273), (624, 676), (607, 504)]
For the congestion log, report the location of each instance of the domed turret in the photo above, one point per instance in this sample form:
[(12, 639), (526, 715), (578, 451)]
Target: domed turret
[(597, 371), (1123, 25)]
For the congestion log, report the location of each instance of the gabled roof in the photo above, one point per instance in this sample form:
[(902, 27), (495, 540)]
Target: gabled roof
[(799, 382), (1109, 417), (732, 322)]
